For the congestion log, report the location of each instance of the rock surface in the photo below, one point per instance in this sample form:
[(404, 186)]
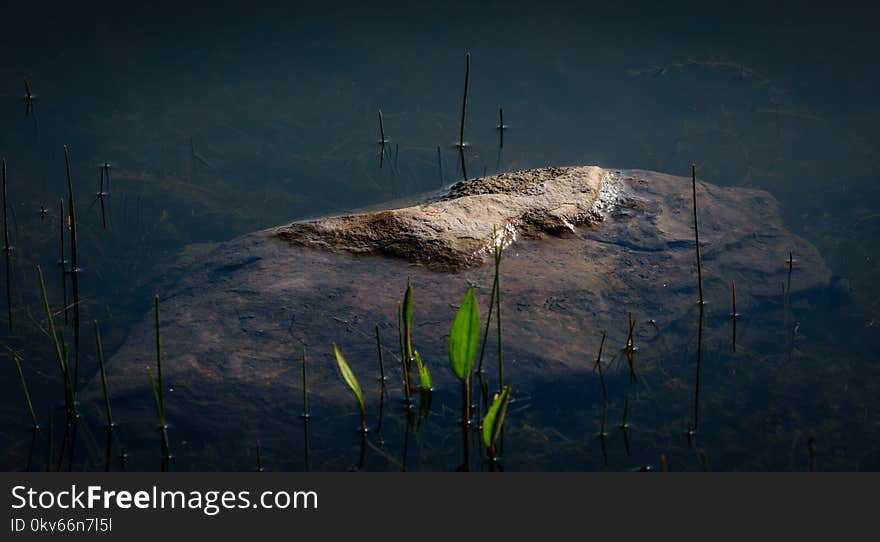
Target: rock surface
[(590, 246), (456, 231)]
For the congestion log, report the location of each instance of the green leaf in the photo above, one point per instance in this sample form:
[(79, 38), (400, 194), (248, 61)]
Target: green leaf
[(407, 321), (494, 419), (349, 377), (464, 336), (424, 374)]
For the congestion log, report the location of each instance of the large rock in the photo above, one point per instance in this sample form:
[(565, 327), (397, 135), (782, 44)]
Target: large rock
[(588, 246), (456, 231)]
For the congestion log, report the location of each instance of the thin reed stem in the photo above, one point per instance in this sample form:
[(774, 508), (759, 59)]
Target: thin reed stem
[(60, 352), (697, 233), (498, 250), (161, 397), (6, 245), (305, 413), (486, 329), (599, 367), (103, 374), (7, 248), (381, 357), (62, 222), (74, 269), (27, 396), (163, 427), (467, 76)]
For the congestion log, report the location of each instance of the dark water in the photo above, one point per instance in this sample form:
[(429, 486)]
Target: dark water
[(224, 118)]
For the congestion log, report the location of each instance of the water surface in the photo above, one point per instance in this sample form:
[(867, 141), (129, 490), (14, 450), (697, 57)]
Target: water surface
[(221, 120)]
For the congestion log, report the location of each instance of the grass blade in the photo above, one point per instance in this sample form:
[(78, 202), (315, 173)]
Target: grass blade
[(352, 383)]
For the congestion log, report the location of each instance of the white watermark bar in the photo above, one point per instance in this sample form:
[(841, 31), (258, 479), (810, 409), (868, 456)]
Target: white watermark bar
[(290, 506)]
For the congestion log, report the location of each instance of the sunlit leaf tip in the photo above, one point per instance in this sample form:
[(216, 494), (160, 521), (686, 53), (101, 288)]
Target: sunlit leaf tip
[(494, 419)]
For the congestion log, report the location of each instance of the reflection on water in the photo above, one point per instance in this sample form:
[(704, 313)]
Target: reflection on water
[(220, 122)]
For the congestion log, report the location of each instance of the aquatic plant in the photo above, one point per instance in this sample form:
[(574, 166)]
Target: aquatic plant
[(382, 377), (494, 420), (100, 350), (101, 194), (69, 401), (603, 422), (7, 248), (598, 366), (624, 425), (424, 374), (697, 233), (305, 413), (463, 341), (159, 355), (467, 77), (630, 349), (733, 313), (382, 140), (62, 222), (352, 383), (497, 249), (407, 315), (486, 330), (704, 460), (734, 316), (461, 143), (403, 363), (602, 435), (74, 268), (697, 379), (49, 437), (16, 358), (163, 427)]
